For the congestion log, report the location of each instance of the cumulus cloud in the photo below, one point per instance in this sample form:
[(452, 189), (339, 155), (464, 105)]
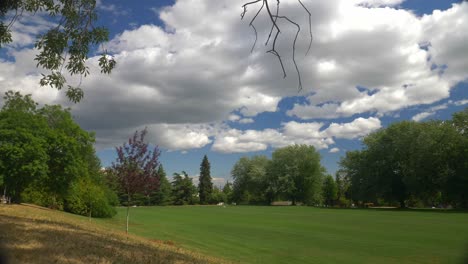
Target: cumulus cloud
[(238, 141), (355, 129), (334, 150), (185, 77)]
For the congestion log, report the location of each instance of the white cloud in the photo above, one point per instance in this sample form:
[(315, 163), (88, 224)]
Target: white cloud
[(422, 116), (460, 102), (358, 128), (379, 3), (191, 72), (246, 121), (334, 150), (235, 141), (430, 112)]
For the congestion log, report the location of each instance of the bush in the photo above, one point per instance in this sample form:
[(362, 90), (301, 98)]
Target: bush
[(38, 196), (89, 199)]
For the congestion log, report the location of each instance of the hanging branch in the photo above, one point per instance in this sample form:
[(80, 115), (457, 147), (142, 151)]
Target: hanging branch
[(273, 17)]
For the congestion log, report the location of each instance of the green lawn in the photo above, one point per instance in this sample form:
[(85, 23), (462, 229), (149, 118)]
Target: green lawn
[(251, 234)]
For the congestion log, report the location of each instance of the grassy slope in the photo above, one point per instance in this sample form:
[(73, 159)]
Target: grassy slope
[(306, 235), (37, 235)]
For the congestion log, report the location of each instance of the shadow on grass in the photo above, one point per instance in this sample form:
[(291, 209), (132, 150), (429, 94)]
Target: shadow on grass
[(41, 241)]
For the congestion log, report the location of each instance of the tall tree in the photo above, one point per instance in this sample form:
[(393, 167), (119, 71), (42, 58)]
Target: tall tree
[(205, 186), (183, 190), (249, 176), (136, 167), (23, 148), (295, 173), (67, 44), (162, 195)]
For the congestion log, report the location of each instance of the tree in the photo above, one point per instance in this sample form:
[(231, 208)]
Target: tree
[(47, 159), (23, 149), (136, 167), (227, 190), (205, 186), (67, 44), (162, 195), (422, 163), (330, 191), (295, 173), (249, 176), (183, 190)]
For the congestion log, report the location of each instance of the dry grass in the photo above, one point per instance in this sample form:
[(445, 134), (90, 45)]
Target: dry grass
[(31, 234)]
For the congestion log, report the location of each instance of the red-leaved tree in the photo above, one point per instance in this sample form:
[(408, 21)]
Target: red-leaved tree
[(136, 167)]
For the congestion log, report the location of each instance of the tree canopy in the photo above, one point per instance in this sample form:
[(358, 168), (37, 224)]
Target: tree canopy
[(47, 159), (410, 162)]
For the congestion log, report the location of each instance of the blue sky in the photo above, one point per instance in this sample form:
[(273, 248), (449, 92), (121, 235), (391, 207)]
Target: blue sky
[(185, 71)]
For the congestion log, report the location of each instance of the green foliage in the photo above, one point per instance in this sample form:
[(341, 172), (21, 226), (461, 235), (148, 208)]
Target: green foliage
[(330, 191), (295, 173), (420, 163), (47, 159), (163, 194), (218, 196), (228, 192), (90, 199), (183, 190), (250, 180), (23, 149), (67, 44), (205, 186)]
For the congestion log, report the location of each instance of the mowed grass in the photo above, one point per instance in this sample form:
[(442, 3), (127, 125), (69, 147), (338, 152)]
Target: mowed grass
[(30, 234), (255, 234)]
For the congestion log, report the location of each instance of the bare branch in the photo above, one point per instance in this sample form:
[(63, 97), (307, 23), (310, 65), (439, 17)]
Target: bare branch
[(252, 25), (273, 17), (294, 48), (310, 25)]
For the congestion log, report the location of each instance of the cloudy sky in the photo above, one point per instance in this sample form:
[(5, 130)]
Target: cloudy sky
[(186, 72)]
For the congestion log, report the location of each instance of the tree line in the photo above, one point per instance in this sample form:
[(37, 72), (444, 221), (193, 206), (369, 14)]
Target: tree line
[(139, 179), (410, 164), (294, 173)]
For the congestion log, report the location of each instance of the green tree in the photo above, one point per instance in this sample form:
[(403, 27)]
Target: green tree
[(295, 173), (205, 186), (249, 176), (65, 45), (330, 190), (163, 194), (23, 149), (218, 196), (422, 162), (227, 190), (183, 190)]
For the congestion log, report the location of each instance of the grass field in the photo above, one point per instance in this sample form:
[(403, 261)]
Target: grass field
[(30, 234), (304, 234)]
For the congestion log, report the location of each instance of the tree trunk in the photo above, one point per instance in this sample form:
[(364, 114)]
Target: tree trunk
[(90, 210), (128, 212), (402, 204)]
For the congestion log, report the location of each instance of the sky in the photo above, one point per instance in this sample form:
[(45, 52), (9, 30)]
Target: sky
[(186, 72)]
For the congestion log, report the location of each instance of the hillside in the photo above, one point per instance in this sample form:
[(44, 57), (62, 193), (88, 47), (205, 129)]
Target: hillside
[(31, 234)]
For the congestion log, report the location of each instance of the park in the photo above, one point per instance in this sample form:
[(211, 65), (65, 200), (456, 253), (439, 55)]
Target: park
[(263, 131)]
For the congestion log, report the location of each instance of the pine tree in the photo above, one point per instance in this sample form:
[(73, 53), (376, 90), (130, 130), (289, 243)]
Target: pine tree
[(205, 186), (162, 196)]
